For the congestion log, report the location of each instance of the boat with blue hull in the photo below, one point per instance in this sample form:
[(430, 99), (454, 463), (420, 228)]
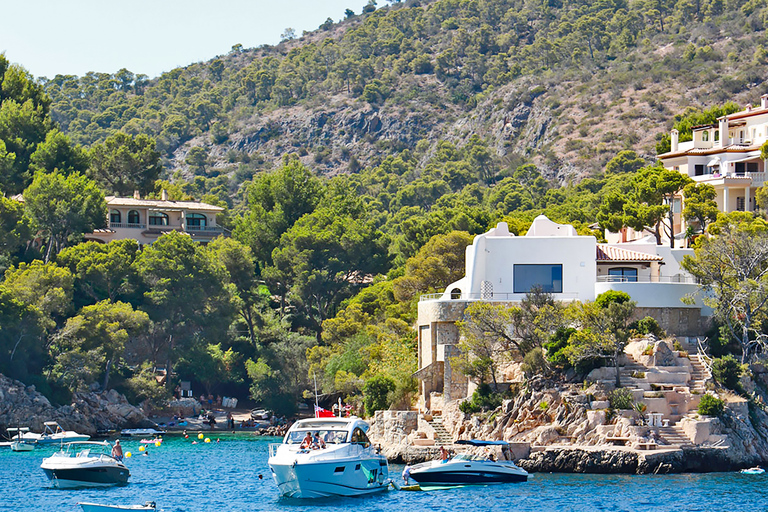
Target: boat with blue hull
[(341, 463)]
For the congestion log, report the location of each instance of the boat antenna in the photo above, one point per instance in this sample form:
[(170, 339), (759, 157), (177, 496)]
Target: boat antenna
[(317, 408), (339, 407)]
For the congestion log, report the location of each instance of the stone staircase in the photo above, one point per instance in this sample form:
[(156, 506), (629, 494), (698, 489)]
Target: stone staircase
[(699, 374), (673, 435), (633, 368), (442, 437)]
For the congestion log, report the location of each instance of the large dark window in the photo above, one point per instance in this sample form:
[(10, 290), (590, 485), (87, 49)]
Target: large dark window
[(158, 219), (114, 217), (133, 217), (196, 220), (547, 278), (698, 170), (623, 274)]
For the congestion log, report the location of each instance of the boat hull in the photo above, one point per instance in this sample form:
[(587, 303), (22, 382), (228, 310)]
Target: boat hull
[(95, 507), (324, 479), (20, 446), (87, 477), (461, 473)]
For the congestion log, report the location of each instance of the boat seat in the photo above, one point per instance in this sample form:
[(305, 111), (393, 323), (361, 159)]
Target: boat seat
[(84, 453)]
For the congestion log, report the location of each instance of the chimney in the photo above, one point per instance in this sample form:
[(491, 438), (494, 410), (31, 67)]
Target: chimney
[(675, 137), (748, 107), (723, 129), (164, 195), (136, 194), (764, 101)]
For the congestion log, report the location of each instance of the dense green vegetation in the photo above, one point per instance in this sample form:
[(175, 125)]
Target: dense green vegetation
[(324, 269)]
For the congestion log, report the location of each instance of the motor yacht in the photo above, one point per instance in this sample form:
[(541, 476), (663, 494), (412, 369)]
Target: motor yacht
[(344, 463), (53, 433), (85, 464), (467, 469)]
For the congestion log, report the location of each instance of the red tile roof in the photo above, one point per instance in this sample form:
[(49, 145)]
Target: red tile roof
[(607, 252)]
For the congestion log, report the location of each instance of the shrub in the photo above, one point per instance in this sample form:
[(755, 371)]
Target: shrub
[(483, 399), (534, 363), (375, 393), (621, 398), (556, 353), (726, 371), (648, 325), (711, 406)]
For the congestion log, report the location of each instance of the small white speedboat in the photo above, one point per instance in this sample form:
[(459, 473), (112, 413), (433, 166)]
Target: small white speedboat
[(53, 433), (345, 463), (95, 507), (18, 444), (85, 464), (465, 469)]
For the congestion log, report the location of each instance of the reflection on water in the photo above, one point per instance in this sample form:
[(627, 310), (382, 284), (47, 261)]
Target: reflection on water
[(184, 477)]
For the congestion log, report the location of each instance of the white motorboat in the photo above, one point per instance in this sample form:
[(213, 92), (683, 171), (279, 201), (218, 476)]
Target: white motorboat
[(53, 433), (141, 432), (18, 444), (95, 507), (85, 464), (465, 469), (347, 465)]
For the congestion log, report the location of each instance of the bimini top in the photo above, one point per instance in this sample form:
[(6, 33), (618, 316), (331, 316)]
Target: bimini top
[(478, 442), (330, 424)]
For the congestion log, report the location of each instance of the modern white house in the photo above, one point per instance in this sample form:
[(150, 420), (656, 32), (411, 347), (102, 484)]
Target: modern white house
[(502, 267), (726, 155), (145, 220)]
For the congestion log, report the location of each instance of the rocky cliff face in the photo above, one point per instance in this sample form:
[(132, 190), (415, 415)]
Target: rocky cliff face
[(88, 413), (568, 430)]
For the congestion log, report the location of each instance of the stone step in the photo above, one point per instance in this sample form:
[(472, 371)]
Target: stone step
[(673, 435), (442, 437)]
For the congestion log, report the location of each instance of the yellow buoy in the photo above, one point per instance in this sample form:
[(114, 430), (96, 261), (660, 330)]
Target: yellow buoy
[(141, 448), (128, 455), (158, 443), (207, 440), (200, 435)]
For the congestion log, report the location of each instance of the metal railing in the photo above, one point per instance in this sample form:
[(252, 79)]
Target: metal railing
[(646, 279), (126, 225), (216, 229), (701, 351), (493, 296)]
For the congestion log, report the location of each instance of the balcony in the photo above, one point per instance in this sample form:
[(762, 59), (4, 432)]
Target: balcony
[(493, 296), (647, 279), (207, 229), (116, 225)]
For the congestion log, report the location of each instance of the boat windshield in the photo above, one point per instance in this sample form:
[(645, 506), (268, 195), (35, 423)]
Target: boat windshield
[(468, 456), (328, 436)]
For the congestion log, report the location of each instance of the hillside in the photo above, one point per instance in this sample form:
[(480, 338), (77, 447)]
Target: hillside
[(563, 85)]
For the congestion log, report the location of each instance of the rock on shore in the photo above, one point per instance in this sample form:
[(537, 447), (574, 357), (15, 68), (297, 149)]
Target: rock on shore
[(89, 413)]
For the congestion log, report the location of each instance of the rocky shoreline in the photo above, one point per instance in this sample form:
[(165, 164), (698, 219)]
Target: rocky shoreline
[(555, 426), (89, 413)]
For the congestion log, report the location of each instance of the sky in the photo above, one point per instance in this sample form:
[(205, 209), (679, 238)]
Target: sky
[(72, 37)]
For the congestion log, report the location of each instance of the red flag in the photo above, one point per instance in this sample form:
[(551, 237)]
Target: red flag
[(323, 413)]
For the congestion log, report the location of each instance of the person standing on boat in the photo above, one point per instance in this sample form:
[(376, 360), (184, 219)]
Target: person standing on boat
[(443, 454), (117, 451), (307, 441)]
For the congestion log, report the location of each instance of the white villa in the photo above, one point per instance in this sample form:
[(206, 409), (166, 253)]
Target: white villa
[(726, 155), (145, 220), (503, 267)]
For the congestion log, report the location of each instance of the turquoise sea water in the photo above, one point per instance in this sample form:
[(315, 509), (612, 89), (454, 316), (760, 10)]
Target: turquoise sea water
[(182, 477)]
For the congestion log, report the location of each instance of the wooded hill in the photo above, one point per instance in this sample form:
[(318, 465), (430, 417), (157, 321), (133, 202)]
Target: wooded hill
[(561, 84), (356, 163)]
